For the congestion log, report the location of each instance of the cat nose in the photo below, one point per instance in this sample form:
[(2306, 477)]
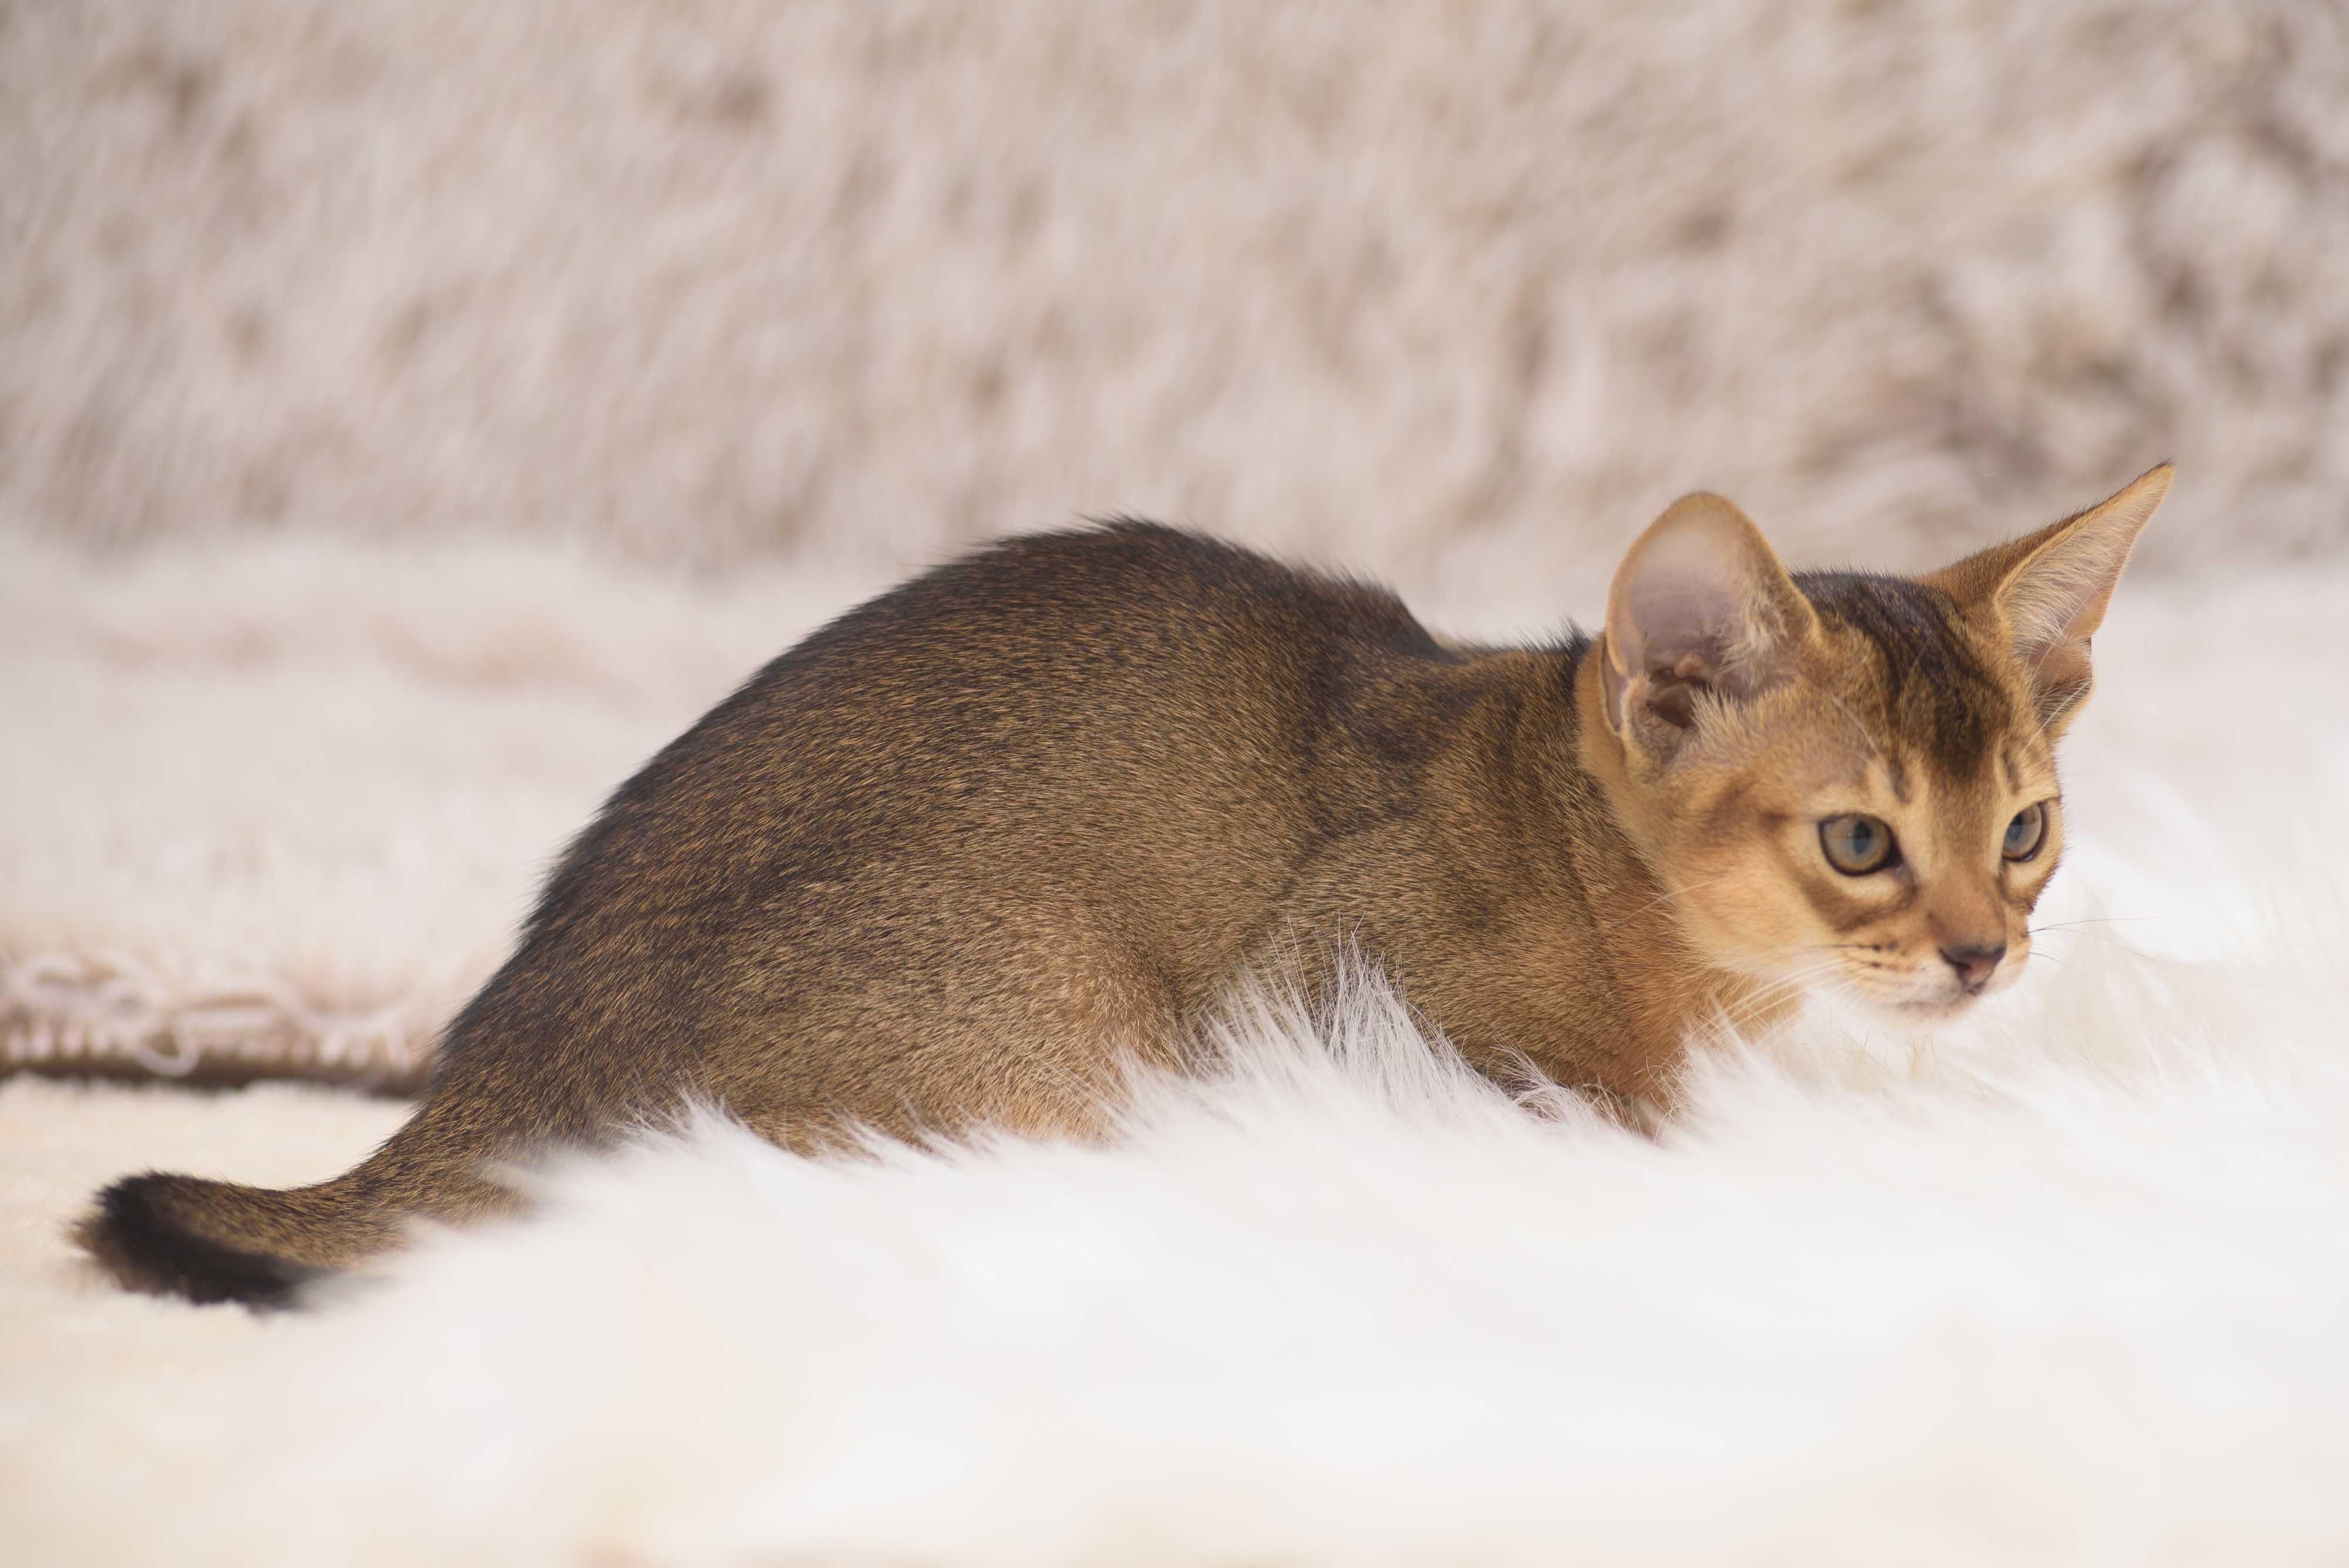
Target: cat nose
[(1974, 963)]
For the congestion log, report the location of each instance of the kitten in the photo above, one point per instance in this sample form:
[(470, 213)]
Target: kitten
[(967, 853)]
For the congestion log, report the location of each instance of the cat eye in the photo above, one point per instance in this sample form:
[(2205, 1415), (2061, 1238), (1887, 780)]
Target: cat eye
[(1856, 845), (2026, 832)]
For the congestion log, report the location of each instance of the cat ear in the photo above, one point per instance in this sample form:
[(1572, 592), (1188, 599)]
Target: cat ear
[(2050, 589), (1699, 606)]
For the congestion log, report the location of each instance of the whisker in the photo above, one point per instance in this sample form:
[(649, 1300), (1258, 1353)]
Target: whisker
[(1750, 1013), (1771, 992), (1749, 1007), (1677, 892), (2108, 941)]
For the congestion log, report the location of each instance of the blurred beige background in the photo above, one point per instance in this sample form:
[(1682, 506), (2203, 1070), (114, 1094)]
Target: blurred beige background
[(1457, 293)]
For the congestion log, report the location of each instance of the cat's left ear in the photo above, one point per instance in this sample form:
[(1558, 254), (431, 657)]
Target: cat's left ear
[(1701, 609), (2049, 590)]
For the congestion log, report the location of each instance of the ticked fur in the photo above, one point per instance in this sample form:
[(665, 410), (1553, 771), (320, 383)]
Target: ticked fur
[(970, 853)]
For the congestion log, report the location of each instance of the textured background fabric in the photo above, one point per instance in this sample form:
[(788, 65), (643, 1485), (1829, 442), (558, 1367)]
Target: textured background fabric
[(273, 805), (1458, 291)]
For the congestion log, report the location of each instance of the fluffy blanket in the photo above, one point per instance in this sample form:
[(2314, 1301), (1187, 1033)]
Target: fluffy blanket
[(2063, 1284)]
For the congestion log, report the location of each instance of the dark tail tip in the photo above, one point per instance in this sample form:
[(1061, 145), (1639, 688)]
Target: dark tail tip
[(137, 1234)]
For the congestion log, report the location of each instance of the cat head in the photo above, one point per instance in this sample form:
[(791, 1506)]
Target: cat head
[(1847, 781)]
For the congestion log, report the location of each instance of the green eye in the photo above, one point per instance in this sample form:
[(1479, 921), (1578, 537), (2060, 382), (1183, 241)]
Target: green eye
[(2025, 833), (1856, 845)]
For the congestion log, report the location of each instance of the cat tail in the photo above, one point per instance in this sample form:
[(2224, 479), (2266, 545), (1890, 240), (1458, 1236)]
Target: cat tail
[(220, 1242)]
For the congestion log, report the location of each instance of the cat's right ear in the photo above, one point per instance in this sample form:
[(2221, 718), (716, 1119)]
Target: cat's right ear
[(1701, 607), (2050, 589)]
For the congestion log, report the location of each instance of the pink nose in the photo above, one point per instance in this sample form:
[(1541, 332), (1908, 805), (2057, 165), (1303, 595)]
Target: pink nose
[(1974, 963)]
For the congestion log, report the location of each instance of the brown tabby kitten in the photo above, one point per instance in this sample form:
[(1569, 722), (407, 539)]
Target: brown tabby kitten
[(971, 850)]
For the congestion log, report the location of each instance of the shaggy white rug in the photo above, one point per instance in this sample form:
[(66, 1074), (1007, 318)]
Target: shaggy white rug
[(286, 801), (2064, 1285)]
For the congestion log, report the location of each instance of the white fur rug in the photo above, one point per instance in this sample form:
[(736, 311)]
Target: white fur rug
[(2065, 1286)]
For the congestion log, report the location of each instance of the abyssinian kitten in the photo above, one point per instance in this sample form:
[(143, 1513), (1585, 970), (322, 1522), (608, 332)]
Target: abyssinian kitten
[(969, 851)]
